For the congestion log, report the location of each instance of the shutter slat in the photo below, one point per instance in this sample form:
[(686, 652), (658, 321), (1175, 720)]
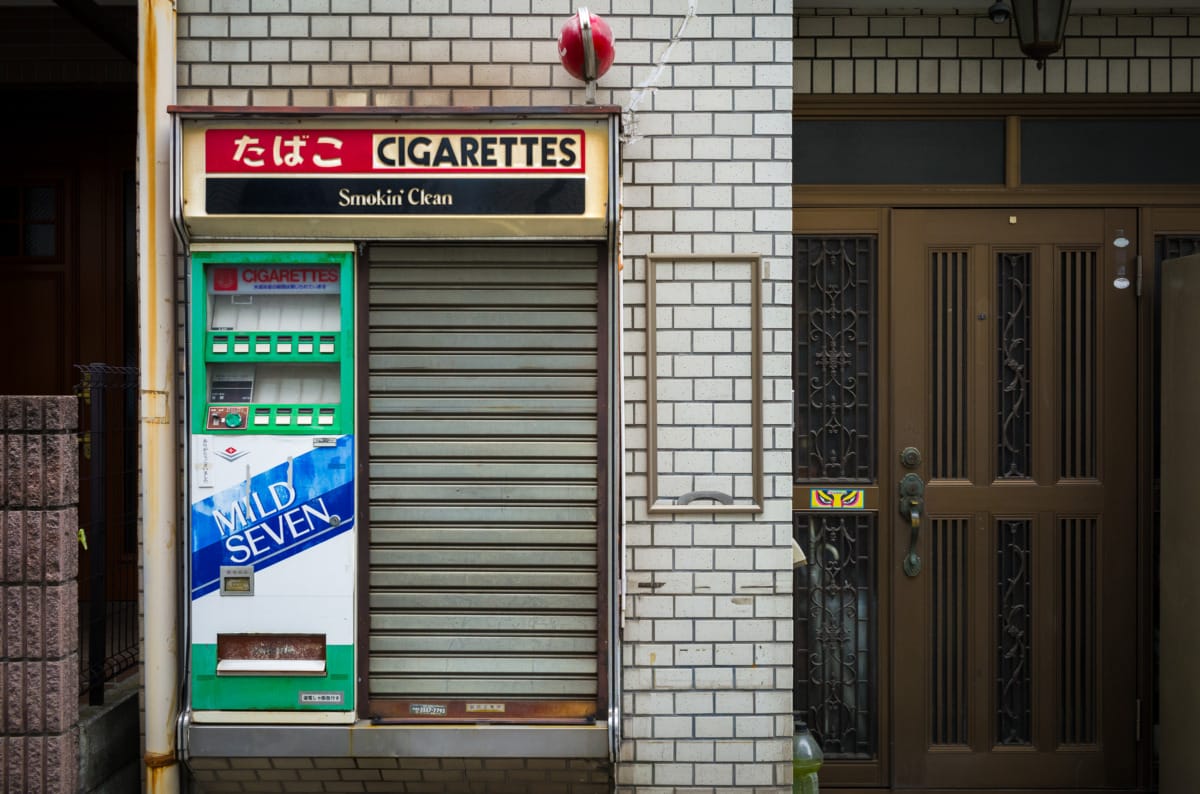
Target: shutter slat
[(442, 383), (489, 471), (386, 682), (389, 449), (467, 557), (458, 404), (545, 627), (480, 492), (483, 428), (455, 537), (499, 319), (472, 340), (499, 601)]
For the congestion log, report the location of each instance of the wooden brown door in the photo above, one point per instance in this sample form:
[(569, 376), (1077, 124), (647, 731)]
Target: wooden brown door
[(1013, 374)]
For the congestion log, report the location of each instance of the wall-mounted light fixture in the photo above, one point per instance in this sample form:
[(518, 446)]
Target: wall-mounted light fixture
[(1041, 25), (1122, 278), (1120, 240)]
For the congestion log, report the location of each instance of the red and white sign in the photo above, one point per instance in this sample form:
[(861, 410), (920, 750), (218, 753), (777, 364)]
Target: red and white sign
[(242, 279), (393, 152)]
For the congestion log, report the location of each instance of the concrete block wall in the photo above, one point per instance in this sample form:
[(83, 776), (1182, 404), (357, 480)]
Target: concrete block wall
[(1146, 50), (39, 643), (707, 90)]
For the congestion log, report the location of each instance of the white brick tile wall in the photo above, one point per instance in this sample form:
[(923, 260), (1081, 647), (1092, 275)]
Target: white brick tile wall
[(1118, 51), (710, 175)]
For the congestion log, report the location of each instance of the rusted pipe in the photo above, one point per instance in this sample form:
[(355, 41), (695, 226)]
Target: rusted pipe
[(159, 462)]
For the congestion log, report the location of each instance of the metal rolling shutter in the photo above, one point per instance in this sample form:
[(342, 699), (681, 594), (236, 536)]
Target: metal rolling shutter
[(483, 481)]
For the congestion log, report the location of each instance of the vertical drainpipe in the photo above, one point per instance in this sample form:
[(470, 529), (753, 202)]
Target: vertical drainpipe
[(159, 461)]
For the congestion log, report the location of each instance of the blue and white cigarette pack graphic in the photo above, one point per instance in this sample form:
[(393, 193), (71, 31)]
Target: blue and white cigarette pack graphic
[(280, 512)]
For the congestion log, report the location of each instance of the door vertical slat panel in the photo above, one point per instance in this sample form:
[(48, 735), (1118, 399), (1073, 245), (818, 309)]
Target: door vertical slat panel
[(950, 313), (1078, 343), (1080, 697), (483, 495), (951, 605)]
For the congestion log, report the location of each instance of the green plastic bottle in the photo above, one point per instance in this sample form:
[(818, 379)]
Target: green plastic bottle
[(806, 760)]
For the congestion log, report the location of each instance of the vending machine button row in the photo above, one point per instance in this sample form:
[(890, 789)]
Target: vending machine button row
[(238, 416), (284, 344)]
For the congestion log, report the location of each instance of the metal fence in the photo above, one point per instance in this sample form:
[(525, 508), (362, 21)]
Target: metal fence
[(108, 491)]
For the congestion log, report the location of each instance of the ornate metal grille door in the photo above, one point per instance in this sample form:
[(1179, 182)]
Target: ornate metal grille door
[(1013, 363), (836, 452)]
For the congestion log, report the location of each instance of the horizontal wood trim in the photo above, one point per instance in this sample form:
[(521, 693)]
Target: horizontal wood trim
[(967, 106), (825, 221), (953, 196), (1182, 220)]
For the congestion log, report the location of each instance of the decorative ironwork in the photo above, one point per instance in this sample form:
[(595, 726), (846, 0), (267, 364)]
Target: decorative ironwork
[(1078, 647), (836, 629), (1079, 386), (834, 358), (949, 323), (1013, 321), (1014, 639), (951, 608)]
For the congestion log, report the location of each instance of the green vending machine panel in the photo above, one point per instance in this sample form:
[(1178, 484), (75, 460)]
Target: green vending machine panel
[(273, 548)]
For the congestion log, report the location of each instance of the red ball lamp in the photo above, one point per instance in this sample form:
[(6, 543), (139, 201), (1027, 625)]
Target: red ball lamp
[(585, 47)]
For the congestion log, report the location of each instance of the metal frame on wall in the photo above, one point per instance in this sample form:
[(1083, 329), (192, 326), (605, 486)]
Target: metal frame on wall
[(705, 500)]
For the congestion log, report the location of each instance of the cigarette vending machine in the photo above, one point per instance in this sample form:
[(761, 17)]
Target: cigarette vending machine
[(272, 557)]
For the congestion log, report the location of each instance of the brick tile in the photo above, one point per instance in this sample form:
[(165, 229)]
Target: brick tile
[(334, 763), (31, 775), (33, 683), (12, 565), (33, 565), (61, 545), (14, 622), (61, 696), (11, 687), (62, 763), (35, 618)]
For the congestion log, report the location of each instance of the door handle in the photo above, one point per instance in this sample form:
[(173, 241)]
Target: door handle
[(912, 503)]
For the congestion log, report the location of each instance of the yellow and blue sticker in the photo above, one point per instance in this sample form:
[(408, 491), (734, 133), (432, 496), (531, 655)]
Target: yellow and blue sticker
[(837, 499)]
